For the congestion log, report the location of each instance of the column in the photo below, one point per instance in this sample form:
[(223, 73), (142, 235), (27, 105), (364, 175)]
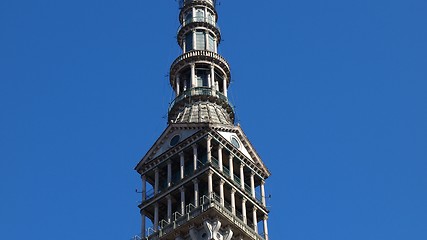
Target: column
[(224, 84), (255, 220), (182, 189), (156, 217), (142, 225), (212, 81), (206, 38), (195, 157), (144, 187), (233, 201), (253, 184), (265, 228), (177, 84), (208, 144), (169, 216), (193, 75), (184, 46), (210, 186), (263, 193), (169, 173), (181, 165), (221, 191), (230, 166), (196, 192), (220, 157), (244, 210), (242, 177), (194, 38), (216, 44), (156, 181)]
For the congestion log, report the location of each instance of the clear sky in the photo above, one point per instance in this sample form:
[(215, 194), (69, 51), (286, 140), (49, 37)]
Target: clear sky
[(332, 93)]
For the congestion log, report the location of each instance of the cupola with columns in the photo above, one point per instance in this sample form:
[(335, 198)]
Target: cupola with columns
[(202, 179)]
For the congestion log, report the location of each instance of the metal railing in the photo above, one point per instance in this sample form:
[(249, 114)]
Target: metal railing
[(196, 19), (192, 211), (183, 2), (198, 91), (236, 180)]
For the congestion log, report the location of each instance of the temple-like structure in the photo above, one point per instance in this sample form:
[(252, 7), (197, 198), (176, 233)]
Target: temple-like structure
[(202, 178)]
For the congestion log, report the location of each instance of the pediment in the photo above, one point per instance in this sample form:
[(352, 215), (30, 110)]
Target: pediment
[(171, 136), (231, 135), (245, 147)]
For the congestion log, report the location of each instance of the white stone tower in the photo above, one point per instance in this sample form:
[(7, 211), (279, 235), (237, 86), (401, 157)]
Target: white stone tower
[(202, 179)]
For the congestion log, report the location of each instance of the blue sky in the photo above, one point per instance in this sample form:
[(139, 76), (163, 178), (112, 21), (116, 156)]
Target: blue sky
[(331, 93)]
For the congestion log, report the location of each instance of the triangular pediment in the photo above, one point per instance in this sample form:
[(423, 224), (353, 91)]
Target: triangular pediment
[(231, 135), (171, 136), (237, 138)]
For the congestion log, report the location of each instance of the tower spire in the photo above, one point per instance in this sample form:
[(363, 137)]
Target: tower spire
[(200, 76), (202, 179)]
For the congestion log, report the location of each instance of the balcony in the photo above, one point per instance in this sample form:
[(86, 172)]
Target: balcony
[(191, 212), (199, 56), (200, 91), (236, 180), (199, 20), (182, 3)]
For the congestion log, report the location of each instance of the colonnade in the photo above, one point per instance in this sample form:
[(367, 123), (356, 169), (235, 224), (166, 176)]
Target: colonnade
[(211, 83), (243, 196)]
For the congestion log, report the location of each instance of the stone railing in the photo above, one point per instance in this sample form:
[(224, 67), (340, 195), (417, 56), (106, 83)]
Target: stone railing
[(201, 53)]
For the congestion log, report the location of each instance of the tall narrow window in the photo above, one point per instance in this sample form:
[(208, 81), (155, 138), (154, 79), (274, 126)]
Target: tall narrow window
[(188, 18), (211, 43), (200, 15), (189, 41), (200, 40), (202, 77), (211, 18), (218, 81)]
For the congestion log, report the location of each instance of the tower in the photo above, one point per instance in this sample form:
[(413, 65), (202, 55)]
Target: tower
[(202, 178)]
